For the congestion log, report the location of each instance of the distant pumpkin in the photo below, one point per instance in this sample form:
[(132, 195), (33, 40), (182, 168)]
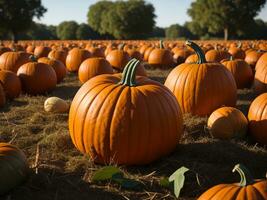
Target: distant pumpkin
[(56, 105), (75, 58), (11, 84)]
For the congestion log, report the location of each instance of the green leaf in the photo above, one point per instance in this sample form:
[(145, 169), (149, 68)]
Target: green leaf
[(178, 178), (105, 173), (164, 182)]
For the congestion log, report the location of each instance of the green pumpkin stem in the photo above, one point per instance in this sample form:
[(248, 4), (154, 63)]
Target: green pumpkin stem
[(33, 58), (198, 50), (121, 46), (245, 175), (128, 75), (161, 45)]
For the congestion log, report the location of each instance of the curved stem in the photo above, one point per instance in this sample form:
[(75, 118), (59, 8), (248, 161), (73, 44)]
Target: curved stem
[(198, 50), (239, 45), (128, 75), (161, 46), (121, 46), (246, 177)]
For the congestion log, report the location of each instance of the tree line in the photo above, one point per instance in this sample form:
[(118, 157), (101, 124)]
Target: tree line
[(135, 19)]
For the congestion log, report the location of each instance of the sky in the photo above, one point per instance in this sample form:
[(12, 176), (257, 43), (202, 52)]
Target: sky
[(168, 11)]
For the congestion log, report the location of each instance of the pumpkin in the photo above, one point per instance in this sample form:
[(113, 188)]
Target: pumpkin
[(2, 96), (92, 67), (125, 120), (241, 71), (14, 167), (180, 55), (257, 117), (58, 55), (37, 78), (200, 88), (95, 51), (56, 105), (260, 81), (237, 52), (11, 84), (261, 63), (147, 53), (57, 65), (30, 49), (11, 61), (75, 58), (227, 123), (41, 51), (118, 58), (4, 49), (216, 55), (192, 58), (161, 58), (252, 57), (133, 53), (246, 189)]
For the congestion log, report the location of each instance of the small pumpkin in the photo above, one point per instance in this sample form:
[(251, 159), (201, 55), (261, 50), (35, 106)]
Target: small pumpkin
[(125, 120), (200, 88), (56, 105), (75, 58), (252, 58), (246, 189), (257, 117), (58, 55), (227, 123), (215, 55), (14, 167), (237, 52), (41, 51), (92, 67), (37, 78), (11, 84)]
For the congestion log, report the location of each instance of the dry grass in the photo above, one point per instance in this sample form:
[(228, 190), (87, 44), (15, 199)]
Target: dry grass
[(63, 173)]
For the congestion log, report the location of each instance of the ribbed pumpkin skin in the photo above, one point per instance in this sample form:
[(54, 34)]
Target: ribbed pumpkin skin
[(11, 61), (161, 58), (57, 65), (41, 51), (2, 96), (237, 53), (118, 59), (256, 191), (260, 81), (37, 78), (14, 167), (191, 59), (11, 84), (227, 123), (58, 55), (92, 67), (252, 58), (147, 53), (216, 55), (125, 125), (257, 117), (262, 62), (75, 57), (4, 49), (241, 71), (202, 88)]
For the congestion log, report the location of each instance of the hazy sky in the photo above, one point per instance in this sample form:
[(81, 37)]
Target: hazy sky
[(168, 11)]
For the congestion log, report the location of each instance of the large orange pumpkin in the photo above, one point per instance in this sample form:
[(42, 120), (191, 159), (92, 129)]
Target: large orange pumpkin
[(200, 88), (37, 78), (257, 117), (57, 65), (246, 189), (227, 123), (92, 67), (75, 58), (11, 61), (129, 120), (241, 71), (11, 84)]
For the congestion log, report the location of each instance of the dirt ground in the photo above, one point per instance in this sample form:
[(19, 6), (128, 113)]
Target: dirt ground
[(65, 174)]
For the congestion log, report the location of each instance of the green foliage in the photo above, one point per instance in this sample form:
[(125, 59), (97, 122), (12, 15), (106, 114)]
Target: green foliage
[(16, 15), (41, 32), (132, 19), (85, 32), (67, 30), (157, 32), (178, 178), (223, 15), (177, 31)]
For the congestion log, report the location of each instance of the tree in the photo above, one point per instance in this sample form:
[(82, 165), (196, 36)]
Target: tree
[(16, 15), (67, 30), (85, 32), (40, 32), (133, 19), (228, 16), (157, 32)]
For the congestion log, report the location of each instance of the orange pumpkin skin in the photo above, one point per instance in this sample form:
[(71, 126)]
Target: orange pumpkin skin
[(262, 62), (147, 53), (247, 189), (92, 67), (202, 88), (161, 58), (37, 78), (11, 61), (96, 52), (241, 71), (30, 49), (75, 58), (4, 49), (216, 55), (41, 51), (192, 59), (118, 59), (58, 55), (257, 117), (133, 53), (11, 84), (260, 81), (104, 120), (180, 55), (227, 123), (14, 167), (237, 53), (57, 65), (2, 96), (252, 57)]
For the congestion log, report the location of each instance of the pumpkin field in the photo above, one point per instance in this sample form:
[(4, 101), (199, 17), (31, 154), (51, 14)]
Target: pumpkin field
[(162, 104)]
